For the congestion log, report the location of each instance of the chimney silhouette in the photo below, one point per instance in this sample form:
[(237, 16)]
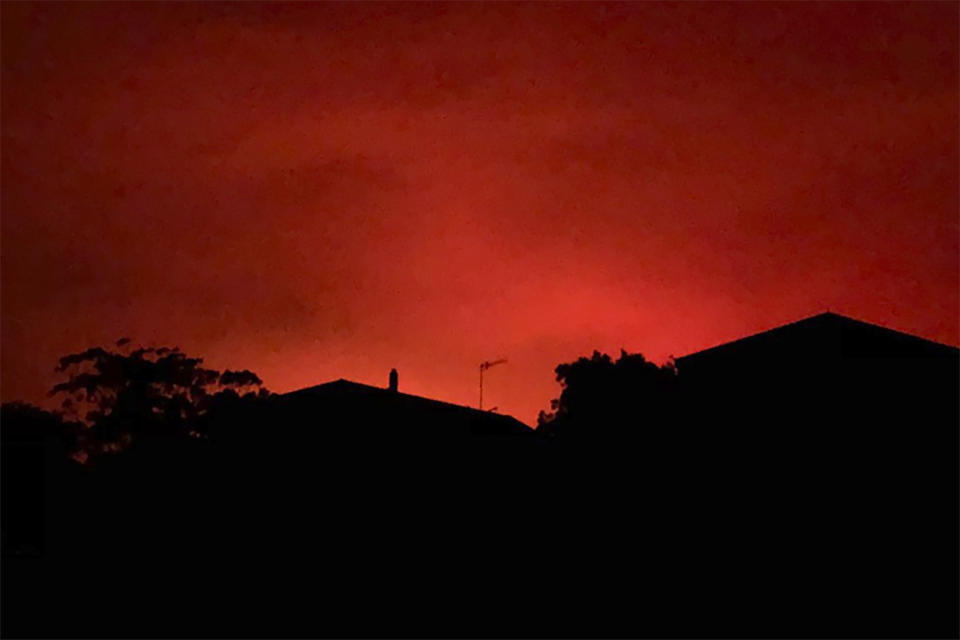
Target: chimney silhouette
[(393, 380)]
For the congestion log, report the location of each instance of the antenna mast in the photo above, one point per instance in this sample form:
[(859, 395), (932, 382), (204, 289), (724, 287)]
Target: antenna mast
[(483, 367)]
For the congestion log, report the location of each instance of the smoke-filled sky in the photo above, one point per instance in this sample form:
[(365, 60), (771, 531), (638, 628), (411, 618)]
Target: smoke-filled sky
[(316, 191)]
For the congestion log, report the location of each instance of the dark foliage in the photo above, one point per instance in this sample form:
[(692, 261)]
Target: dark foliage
[(603, 398), (120, 395)]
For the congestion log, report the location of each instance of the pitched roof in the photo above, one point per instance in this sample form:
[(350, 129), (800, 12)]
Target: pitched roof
[(828, 332), (347, 390)]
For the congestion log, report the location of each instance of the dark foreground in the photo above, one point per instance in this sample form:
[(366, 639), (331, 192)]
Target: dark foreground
[(818, 501), (525, 540)]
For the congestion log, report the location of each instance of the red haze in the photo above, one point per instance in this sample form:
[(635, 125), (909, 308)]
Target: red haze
[(315, 191)]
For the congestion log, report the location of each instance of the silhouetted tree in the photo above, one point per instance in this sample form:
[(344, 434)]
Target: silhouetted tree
[(606, 398), (121, 394)]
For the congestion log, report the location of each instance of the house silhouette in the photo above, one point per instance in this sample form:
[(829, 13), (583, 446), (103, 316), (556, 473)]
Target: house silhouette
[(849, 388), (840, 439), (827, 335), (389, 413)]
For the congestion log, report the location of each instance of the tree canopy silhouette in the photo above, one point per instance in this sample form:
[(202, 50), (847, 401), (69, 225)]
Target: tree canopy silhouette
[(120, 394), (602, 397)]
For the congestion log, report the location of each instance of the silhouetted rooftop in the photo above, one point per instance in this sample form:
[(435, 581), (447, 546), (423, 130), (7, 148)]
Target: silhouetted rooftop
[(827, 333), (410, 405)]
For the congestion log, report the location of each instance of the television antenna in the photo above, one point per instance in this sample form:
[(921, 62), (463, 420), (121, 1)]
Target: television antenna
[(483, 367)]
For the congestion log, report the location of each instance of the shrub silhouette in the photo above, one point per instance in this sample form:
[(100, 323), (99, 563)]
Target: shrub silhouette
[(603, 398)]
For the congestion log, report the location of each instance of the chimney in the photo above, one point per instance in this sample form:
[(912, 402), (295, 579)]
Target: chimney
[(393, 380)]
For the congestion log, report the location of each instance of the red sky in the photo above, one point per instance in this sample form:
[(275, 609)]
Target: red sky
[(318, 191)]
